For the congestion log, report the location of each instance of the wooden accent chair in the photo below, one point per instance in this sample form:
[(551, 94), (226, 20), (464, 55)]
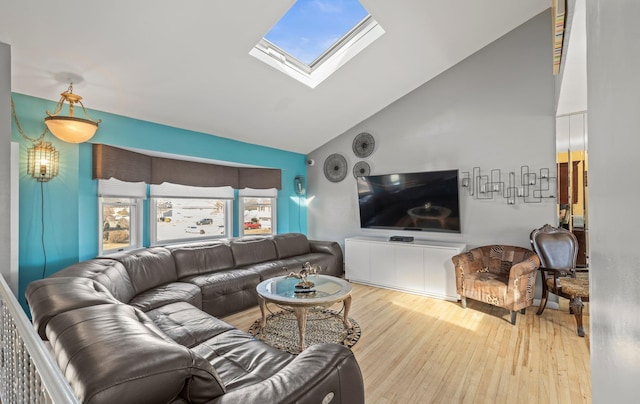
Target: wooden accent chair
[(558, 249), (500, 275)]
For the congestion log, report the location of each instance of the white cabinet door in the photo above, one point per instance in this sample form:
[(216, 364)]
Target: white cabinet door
[(357, 259), (440, 278), (383, 265), (409, 268), (421, 267)]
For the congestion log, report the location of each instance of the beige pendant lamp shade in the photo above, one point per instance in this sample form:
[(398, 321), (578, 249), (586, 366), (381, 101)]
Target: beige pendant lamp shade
[(69, 128)]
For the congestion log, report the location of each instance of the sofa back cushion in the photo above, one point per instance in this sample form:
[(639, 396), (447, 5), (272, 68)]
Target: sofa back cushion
[(148, 267), (51, 296), (499, 259), (199, 260), (291, 244), (253, 251), (110, 273), (115, 354)]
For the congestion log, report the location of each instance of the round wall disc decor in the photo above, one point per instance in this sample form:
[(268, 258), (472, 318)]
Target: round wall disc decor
[(363, 145), (361, 169), (335, 167)]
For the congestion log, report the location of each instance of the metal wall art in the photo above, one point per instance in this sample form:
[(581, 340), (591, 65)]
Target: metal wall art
[(363, 145), (335, 167), (361, 169), (530, 186)]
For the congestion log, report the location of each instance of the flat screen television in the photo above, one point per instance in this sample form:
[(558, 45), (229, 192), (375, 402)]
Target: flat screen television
[(422, 201)]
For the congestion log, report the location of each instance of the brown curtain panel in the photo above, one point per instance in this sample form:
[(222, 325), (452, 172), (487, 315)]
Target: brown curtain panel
[(125, 165)]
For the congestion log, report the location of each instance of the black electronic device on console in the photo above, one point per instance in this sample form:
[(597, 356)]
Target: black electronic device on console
[(406, 239)]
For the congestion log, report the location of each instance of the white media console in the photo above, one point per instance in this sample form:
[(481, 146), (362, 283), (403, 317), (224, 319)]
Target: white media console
[(421, 267)]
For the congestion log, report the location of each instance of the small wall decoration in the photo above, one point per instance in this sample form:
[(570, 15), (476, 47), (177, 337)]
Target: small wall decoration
[(335, 167), (361, 169), (363, 145)]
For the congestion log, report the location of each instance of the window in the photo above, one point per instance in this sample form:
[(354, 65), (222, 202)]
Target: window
[(257, 211), (312, 27), (120, 215), (315, 38), (182, 213)]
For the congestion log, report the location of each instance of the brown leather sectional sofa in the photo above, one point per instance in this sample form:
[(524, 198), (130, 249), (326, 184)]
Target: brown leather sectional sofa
[(142, 326)]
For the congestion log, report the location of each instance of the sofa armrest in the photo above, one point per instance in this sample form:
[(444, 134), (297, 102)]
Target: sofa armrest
[(332, 248), (466, 263), (319, 371), (525, 268), (326, 247), (522, 282)]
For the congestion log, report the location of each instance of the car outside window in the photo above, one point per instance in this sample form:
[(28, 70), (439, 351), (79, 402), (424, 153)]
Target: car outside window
[(184, 219), (257, 215)]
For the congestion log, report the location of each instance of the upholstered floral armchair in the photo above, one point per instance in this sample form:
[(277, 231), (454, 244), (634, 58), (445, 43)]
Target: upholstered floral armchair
[(500, 275)]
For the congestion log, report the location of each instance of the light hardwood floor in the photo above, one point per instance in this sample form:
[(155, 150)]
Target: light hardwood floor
[(415, 349)]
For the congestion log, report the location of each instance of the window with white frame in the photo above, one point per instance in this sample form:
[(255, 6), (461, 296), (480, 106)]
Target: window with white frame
[(257, 209), (120, 215), (181, 213)]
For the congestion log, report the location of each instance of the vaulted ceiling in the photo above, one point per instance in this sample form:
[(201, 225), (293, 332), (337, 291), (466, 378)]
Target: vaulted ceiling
[(187, 64)]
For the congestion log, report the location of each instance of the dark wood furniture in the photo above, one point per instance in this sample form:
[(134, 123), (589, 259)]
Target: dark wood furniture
[(557, 249)]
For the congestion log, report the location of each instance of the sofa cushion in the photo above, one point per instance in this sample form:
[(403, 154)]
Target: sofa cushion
[(148, 267), (234, 354), (488, 287), (202, 259), (166, 294), (288, 245), (110, 273), (227, 292), (51, 296), (114, 354), (253, 251), (267, 270), (187, 325)]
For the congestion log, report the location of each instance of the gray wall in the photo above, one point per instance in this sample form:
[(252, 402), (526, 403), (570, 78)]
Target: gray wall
[(570, 11), (613, 63), (494, 110), (5, 161)]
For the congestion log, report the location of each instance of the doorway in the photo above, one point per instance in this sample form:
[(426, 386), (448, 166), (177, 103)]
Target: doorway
[(573, 185)]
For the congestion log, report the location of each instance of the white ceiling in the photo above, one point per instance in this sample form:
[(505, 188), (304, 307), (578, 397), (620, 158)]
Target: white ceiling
[(187, 64)]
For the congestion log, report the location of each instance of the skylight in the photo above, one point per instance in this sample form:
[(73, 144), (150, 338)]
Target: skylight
[(311, 27), (316, 37)]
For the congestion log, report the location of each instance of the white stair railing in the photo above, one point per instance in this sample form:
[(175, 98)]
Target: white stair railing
[(28, 371)]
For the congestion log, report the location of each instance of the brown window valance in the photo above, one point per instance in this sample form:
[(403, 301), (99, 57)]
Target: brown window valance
[(125, 165), (249, 177)]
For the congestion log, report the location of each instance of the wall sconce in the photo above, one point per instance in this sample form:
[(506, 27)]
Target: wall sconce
[(298, 185), (70, 128), (532, 186), (43, 161)]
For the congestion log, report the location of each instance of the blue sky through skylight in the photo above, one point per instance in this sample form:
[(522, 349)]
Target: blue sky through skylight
[(310, 27)]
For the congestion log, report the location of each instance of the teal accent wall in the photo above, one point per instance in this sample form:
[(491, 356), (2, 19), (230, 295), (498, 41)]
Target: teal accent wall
[(70, 199)]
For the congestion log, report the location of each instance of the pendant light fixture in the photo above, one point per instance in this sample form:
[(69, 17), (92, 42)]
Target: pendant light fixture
[(69, 128)]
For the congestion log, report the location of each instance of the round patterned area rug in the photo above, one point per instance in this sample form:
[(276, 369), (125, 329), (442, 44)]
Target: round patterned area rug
[(281, 330)]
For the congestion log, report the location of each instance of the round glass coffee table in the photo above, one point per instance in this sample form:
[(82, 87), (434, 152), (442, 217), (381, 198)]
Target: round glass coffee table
[(327, 290)]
